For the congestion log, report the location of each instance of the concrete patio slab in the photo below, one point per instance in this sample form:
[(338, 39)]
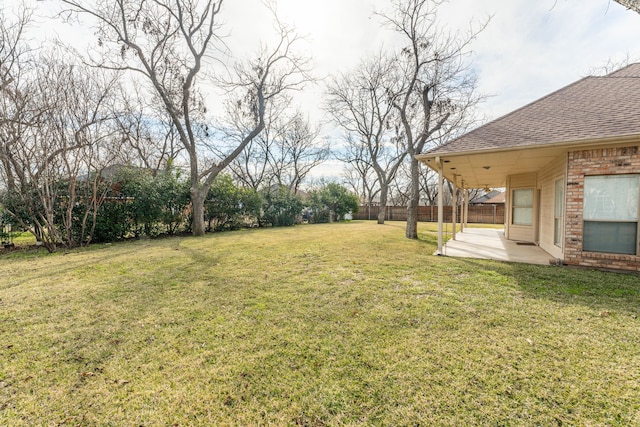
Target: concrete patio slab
[(489, 243)]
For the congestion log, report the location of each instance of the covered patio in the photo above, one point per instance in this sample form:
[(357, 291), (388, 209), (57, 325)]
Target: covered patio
[(489, 243), (570, 166)]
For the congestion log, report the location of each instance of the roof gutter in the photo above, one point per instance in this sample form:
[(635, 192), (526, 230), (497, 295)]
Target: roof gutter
[(586, 143)]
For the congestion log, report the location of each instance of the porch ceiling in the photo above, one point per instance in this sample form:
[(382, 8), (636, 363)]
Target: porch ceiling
[(490, 169)]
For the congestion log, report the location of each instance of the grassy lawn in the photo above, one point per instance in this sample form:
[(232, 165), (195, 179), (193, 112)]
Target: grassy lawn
[(341, 324), (24, 239)]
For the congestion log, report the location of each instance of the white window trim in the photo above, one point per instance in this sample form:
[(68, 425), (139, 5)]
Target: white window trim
[(616, 221)]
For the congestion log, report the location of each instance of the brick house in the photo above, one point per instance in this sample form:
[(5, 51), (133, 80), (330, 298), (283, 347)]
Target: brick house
[(570, 164)]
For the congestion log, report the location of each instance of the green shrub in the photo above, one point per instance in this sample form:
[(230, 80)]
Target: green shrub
[(113, 221), (154, 204), (331, 203), (229, 207), (173, 193), (281, 208)]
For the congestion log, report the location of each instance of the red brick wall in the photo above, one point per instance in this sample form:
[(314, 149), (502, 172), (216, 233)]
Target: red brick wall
[(602, 161)]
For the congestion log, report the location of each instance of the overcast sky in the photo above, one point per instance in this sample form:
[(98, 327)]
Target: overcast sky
[(529, 49)]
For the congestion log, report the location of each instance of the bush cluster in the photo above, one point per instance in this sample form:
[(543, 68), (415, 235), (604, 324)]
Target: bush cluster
[(138, 203), (331, 203), (149, 205), (230, 207)]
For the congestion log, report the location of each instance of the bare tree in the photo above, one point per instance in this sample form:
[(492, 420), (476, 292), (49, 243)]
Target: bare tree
[(400, 191), (14, 55), (63, 138), (284, 154), (169, 43), (437, 86), (12, 48), (148, 132), (359, 174), (362, 103), (297, 151), (252, 167)]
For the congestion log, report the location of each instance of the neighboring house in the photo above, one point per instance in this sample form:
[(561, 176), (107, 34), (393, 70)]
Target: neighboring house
[(570, 163), (491, 198), (498, 199)]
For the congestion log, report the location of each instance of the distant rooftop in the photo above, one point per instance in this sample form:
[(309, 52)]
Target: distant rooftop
[(488, 197)]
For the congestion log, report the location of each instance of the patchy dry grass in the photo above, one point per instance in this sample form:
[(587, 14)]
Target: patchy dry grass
[(343, 324)]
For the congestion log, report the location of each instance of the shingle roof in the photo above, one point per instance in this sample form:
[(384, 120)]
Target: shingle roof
[(500, 198), (485, 197), (591, 108)]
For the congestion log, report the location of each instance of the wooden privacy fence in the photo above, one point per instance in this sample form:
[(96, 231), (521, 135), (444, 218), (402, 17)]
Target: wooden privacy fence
[(485, 214)]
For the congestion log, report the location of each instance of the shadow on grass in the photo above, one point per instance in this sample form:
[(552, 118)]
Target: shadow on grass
[(62, 265), (600, 290)]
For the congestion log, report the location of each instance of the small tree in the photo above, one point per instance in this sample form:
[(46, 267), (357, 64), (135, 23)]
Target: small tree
[(59, 139), (113, 221), (362, 103), (332, 203), (229, 206), (281, 207), (140, 203), (173, 191), (143, 200), (359, 174)]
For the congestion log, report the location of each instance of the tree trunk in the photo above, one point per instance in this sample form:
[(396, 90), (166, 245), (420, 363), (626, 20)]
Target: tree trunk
[(384, 189), (414, 201), (197, 209)]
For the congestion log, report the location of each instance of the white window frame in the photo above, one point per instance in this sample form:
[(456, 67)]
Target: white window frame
[(558, 212), (611, 211), (528, 207)]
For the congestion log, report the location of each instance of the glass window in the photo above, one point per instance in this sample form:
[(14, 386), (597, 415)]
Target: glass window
[(522, 207), (611, 198), (610, 237), (557, 212), (611, 213)]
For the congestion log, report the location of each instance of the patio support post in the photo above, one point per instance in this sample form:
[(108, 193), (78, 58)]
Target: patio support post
[(454, 206), (466, 207), (462, 190), (440, 202)]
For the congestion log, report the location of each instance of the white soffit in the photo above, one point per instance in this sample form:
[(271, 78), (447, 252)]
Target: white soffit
[(491, 169)]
